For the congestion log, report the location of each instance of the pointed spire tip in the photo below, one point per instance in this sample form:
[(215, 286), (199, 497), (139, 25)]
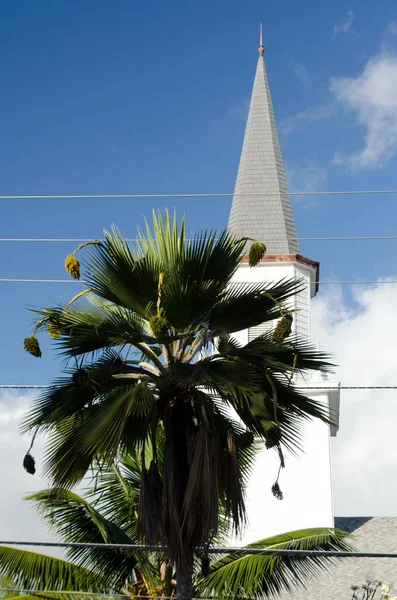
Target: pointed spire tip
[(261, 49)]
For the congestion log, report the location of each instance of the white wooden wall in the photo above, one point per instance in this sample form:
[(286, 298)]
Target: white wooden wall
[(306, 481)]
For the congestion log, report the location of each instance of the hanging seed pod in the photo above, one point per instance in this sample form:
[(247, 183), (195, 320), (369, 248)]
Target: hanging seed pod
[(159, 324), (281, 456), (276, 491), (31, 345), (256, 253), (80, 379), (54, 330), (283, 328), (29, 464), (273, 436), (72, 266)]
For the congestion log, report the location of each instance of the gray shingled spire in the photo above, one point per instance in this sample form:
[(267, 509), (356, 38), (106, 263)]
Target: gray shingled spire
[(267, 217)]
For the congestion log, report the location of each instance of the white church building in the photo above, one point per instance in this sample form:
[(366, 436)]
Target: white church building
[(262, 210)]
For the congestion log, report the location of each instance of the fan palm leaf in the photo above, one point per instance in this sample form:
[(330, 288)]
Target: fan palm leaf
[(147, 376)]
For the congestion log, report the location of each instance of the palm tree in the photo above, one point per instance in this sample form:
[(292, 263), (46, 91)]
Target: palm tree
[(108, 513), (155, 359)]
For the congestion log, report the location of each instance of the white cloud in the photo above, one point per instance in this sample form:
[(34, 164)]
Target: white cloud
[(311, 115), (344, 26), (363, 338), (234, 117), (301, 72), (18, 519), (392, 28), (372, 98), (306, 176)]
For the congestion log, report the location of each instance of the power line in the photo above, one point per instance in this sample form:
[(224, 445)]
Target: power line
[(353, 282), (74, 593), (95, 594), (204, 195), (41, 281), (211, 550), (301, 239), (17, 386)]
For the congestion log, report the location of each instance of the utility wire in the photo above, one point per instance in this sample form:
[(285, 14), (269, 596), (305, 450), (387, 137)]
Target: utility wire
[(41, 281), (95, 594), (17, 386), (301, 239), (353, 282), (205, 195), (211, 550), (77, 593)]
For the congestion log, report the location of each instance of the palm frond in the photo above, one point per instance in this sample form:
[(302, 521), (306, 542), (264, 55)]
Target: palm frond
[(248, 305), (72, 394), (295, 354), (122, 276), (76, 519), (116, 493), (199, 281), (64, 595), (33, 570), (252, 576), (213, 372), (88, 328), (98, 432)]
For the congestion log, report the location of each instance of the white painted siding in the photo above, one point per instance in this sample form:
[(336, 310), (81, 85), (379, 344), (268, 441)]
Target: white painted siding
[(305, 483), (254, 332), (306, 480)]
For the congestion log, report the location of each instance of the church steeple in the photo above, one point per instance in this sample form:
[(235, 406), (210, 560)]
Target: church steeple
[(262, 210), (261, 206)]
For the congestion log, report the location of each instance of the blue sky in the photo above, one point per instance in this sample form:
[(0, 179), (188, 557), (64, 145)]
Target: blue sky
[(131, 97)]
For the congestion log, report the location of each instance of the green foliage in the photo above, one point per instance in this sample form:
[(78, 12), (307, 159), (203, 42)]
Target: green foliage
[(7, 584), (254, 576), (108, 513), (136, 390), (33, 570)]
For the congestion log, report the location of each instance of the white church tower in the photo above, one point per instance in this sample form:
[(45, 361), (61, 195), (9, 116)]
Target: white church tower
[(262, 210)]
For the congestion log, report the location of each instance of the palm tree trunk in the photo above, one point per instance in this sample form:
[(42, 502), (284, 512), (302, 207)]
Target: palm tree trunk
[(184, 579)]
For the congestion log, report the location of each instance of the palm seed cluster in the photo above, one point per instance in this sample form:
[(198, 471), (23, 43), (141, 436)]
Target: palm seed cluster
[(256, 253), (72, 266), (159, 324), (283, 328), (31, 345)]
